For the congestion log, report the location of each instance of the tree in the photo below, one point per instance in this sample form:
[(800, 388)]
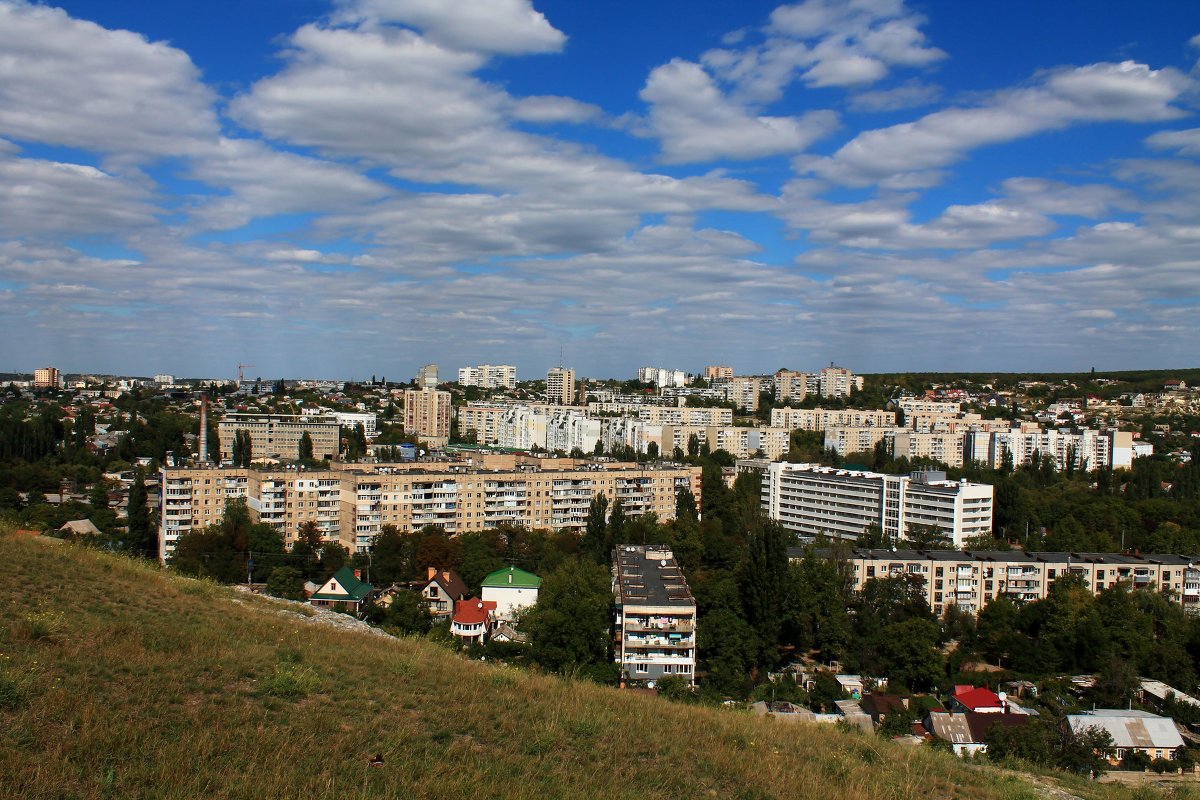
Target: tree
[(406, 613), (569, 626), (306, 447), (685, 505), (616, 526), (596, 529), (763, 581), (98, 496), (286, 582), (143, 537), (391, 556)]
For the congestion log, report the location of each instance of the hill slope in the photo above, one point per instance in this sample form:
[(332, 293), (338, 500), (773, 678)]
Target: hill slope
[(117, 680)]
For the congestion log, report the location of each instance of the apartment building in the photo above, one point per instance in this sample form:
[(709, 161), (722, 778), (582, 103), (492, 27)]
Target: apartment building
[(744, 390), (1085, 449), (847, 440), (655, 633), (814, 500), (427, 377), (489, 376), (684, 415), (834, 381), (560, 386), (917, 405), (791, 385), (279, 435), (350, 505), (482, 419), (819, 419), (662, 377), (194, 498), (717, 373), (737, 441), (349, 419), (970, 580), (427, 414), (943, 447), (47, 378)]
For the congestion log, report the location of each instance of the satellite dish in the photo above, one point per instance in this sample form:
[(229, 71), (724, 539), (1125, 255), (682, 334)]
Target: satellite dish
[(662, 563)]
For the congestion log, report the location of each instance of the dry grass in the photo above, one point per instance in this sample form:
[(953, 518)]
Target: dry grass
[(129, 683)]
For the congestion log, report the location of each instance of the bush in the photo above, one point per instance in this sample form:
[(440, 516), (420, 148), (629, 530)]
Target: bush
[(1161, 765), (1136, 761), (286, 582)]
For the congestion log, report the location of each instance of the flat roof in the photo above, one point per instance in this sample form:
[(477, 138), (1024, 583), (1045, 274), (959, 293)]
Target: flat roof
[(649, 576)]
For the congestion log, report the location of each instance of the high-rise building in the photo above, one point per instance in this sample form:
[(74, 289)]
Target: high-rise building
[(790, 385), (717, 372), (560, 386), (489, 376), (46, 378), (427, 377), (427, 414), (813, 500), (656, 615), (839, 382)]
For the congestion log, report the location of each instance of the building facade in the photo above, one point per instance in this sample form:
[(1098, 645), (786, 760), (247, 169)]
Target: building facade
[(427, 414), (560, 386), (656, 616), (351, 504), (427, 377), (279, 435), (814, 500), (489, 376), (47, 378), (972, 579)]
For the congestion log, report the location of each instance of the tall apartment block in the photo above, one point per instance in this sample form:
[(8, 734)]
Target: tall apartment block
[(656, 616), (717, 372), (350, 504), (489, 376), (427, 377), (427, 414), (560, 386), (46, 378), (814, 500), (278, 435)]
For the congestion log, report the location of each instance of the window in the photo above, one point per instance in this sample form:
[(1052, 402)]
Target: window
[(641, 668)]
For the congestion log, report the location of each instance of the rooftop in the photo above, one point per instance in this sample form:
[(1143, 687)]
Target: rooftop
[(648, 575)]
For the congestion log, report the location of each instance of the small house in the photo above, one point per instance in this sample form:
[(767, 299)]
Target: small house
[(512, 590), (343, 592)]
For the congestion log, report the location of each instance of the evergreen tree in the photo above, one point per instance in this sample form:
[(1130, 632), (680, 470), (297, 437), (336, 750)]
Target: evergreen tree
[(306, 447), (595, 533), (143, 538)]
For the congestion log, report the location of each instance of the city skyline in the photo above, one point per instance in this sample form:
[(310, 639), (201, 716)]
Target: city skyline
[(356, 187)]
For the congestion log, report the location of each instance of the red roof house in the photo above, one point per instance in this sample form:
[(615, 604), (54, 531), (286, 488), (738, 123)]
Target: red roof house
[(473, 619), (978, 699)]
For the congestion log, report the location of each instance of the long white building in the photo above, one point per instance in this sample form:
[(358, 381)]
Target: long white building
[(814, 500), (1083, 449), (489, 376)]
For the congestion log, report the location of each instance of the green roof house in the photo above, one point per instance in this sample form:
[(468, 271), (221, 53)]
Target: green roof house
[(343, 592), (511, 589)]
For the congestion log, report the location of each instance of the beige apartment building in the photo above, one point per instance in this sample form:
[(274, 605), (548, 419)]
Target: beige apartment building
[(818, 419), (278, 436), (46, 378), (717, 372), (791, 385), (427, 414), (560, 386), (351, 504), (739, 442), (971, 580)]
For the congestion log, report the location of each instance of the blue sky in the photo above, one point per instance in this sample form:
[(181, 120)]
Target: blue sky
[(341, 189)]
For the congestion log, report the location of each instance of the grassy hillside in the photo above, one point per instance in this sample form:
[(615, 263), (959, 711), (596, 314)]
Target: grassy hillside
[(117, 680)]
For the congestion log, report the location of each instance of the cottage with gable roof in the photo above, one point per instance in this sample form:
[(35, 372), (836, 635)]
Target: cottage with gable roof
[(343, 592), (441, 590)]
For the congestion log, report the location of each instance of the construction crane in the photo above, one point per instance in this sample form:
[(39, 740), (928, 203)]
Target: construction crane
[(241, 375)]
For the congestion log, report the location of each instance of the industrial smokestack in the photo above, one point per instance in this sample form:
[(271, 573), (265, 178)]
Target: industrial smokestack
[(202, 456)]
